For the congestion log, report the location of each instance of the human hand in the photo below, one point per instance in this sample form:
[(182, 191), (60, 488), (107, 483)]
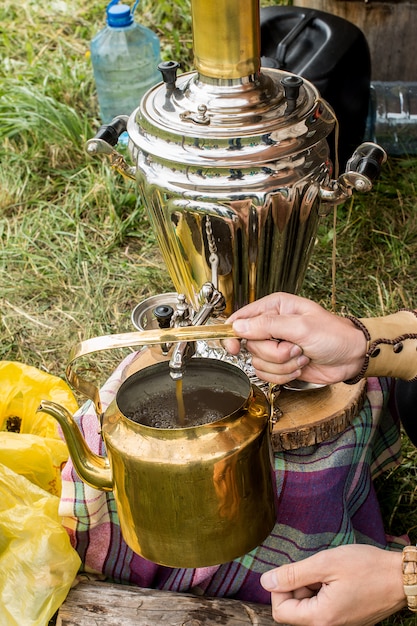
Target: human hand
[(351, 585), (311, 344)]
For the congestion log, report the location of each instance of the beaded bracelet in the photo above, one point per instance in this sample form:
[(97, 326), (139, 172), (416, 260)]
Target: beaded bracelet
[(410, 576)]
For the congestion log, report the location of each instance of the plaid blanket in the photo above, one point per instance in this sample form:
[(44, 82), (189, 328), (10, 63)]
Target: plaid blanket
[(325, 498)]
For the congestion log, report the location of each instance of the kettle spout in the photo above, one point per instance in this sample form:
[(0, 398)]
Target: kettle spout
[(92, 468)]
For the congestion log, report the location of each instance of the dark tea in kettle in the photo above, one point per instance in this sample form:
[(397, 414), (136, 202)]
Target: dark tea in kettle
[(154, 399), (201, 406)]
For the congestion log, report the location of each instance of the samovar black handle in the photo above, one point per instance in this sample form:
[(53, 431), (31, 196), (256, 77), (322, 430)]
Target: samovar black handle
[(110, 133), (169, 70), (163, 314), (367, 160), (104, 141), (362, 169)]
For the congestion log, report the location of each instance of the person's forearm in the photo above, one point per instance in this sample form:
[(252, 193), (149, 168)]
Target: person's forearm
[(392, 345)]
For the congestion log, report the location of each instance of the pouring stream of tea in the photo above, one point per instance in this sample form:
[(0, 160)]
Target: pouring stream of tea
[(180, 402)]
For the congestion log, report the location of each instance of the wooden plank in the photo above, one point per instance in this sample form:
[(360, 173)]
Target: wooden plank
[(93, 603), (390, 29)]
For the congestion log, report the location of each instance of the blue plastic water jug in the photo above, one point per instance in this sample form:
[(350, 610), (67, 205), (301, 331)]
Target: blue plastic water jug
[(125, 57)]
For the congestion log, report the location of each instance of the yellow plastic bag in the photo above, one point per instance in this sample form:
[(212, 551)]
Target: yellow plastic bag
[(22, 388), (30, 443), (37, 561), (37, 458)]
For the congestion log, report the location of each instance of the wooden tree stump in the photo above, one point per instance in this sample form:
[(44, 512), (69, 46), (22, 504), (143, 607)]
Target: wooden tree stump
[(108, 604), (311, 417)]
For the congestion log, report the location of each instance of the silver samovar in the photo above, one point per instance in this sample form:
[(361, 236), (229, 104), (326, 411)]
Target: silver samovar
[(232, 163)]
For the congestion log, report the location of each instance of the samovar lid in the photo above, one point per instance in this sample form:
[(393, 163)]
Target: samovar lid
[(201, 121)]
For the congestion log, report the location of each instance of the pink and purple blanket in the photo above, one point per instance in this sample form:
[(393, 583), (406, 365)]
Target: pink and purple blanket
[(325, 496)]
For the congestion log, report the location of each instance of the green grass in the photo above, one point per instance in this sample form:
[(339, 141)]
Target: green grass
[(76, 250), (376, 246)]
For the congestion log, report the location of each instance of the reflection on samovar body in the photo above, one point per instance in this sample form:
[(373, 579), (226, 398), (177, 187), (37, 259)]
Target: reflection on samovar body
[(245, 247)]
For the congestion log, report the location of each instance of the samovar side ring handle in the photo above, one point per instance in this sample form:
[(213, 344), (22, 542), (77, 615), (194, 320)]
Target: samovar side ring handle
[(362, 169), (104, 141), (130, 340), (110, 133)]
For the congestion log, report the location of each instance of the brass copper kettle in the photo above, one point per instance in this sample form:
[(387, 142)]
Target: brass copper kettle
[(191, 494)]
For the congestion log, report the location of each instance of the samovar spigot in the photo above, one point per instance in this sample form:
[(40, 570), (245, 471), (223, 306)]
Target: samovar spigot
[(182, 353), (185, 349), (213, 303)]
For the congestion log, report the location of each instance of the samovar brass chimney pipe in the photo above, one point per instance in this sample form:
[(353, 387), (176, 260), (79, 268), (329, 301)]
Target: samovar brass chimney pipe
[(226, 38)]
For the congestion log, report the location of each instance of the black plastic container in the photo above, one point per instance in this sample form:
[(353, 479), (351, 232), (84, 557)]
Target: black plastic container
[(330, 52)]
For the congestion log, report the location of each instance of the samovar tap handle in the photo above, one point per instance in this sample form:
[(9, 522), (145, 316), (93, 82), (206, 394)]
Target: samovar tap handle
[(214, 304)]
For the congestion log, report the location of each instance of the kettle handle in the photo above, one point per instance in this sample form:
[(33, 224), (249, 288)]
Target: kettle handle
[(140, 338)]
